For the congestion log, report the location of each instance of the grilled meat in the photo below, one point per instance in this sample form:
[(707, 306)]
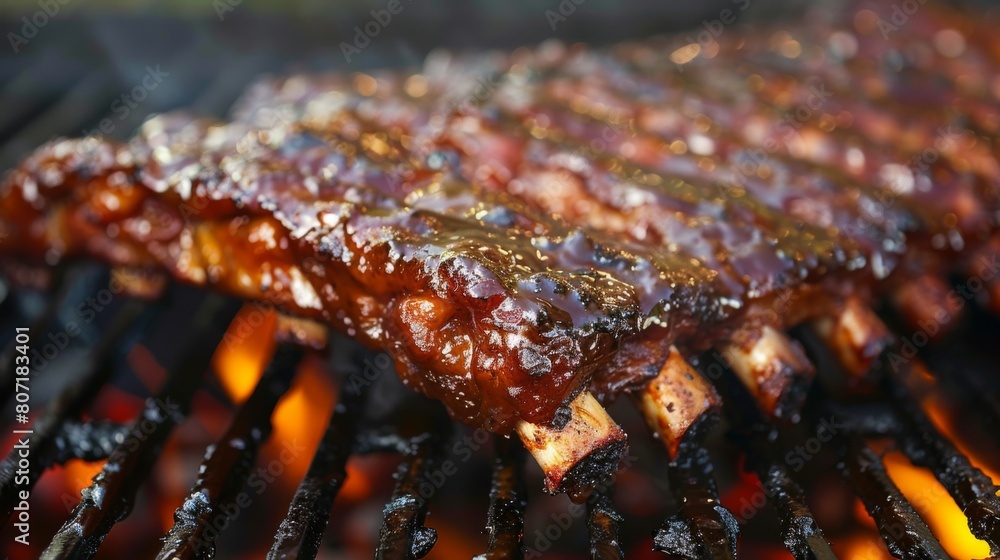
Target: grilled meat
[(526, 233)]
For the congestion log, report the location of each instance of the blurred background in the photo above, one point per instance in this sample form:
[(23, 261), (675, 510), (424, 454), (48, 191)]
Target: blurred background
[(69, 60)]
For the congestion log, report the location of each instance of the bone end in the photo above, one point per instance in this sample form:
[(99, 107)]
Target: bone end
[(776, 371), (584, 450), (678, 404), (857, 337)]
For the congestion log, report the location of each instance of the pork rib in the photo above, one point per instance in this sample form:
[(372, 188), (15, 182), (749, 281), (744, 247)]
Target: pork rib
[(529, 234)]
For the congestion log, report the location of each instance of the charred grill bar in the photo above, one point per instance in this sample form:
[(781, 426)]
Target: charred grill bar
[(703, 529), (508, 499), (972, 490), (112, 495), (302, 529), (89, 441), (403, 534), (762, 445), (904, 533), (66, 408), (802, 536), (228, 464)]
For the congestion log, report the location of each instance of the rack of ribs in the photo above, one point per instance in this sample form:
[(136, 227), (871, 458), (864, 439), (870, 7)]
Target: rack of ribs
[(532, 234)]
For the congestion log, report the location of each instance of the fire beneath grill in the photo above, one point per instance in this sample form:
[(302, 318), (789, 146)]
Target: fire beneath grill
[(195, 427)]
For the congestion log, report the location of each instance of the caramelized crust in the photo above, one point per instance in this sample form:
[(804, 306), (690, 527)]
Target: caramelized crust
[(515, 229)]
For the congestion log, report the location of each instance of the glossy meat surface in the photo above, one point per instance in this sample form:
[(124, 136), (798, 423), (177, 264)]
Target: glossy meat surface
[(517, 228)]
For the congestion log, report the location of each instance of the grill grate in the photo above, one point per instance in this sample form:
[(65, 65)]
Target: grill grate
[(972, 490), (112, 494), (508, 499), (227, 465), (301, 531), (702, 528), (403, 533), (800, 532), (66, 408)]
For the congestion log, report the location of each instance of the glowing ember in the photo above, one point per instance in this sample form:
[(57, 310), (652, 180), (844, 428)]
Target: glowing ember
[(454, 542), (358, 485)]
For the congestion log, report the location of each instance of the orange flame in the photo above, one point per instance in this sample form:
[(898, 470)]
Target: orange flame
[(78, 474), (245, 351), (920, 487), (935, 507), (862, 545), (936, 409), (454, 542), (300, 419)]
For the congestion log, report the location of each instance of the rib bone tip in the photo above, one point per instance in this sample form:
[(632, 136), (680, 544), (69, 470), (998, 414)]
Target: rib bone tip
[(857, 336), (580, 454), (775, 369), (678, 403)]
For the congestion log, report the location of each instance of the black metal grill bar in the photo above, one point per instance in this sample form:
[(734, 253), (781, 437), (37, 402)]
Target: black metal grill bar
[(508, 500), (227, 465), (703, 528), (89, 441), (67, 406), (603, 523), (904, 532), (301, 530), (111, 496), (403, 535), (801, 534), (869, 419), (972, 490)]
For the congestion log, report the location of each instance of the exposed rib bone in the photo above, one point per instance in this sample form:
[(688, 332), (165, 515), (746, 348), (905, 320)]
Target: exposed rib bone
[(301, 330), (581, 452), (857, 337), (137, 282), (775, 370), (924, 304), (678, 402)]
